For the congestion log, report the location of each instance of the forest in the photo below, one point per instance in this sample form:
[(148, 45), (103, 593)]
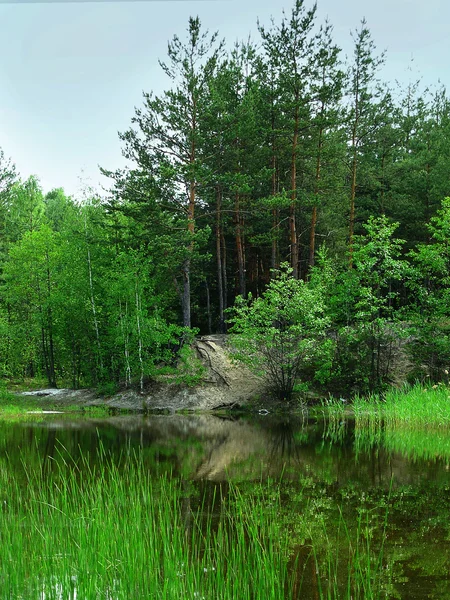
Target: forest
[(275, 190)]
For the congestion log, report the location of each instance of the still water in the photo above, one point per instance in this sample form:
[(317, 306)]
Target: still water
[(389, 490)]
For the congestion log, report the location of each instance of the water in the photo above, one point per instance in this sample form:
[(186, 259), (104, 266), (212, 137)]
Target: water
[(350, 491)]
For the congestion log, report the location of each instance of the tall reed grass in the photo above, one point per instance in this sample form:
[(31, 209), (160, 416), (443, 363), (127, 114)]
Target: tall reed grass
[(116, 533), (412, 443), (417, 406), (102, 530), (351, 562)]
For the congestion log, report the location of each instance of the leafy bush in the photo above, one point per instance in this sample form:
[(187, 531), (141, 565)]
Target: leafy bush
[(107, 388), (279, 334), (430, 310), (363, 306)]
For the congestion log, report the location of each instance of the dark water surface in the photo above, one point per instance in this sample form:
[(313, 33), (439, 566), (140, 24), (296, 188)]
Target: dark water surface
[(354, 489)]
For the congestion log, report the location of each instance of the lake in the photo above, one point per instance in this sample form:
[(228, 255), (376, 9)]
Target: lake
[(336, 510)]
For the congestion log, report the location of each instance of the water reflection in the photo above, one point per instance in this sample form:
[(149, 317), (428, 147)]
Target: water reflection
[(205, 447), (329, 476)]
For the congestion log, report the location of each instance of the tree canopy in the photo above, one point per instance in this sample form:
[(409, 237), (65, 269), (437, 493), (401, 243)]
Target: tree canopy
[(277, 151)]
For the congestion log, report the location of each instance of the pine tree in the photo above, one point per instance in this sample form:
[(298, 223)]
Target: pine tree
[(167, 142), (289, 47), (362, 91), (326, 93)]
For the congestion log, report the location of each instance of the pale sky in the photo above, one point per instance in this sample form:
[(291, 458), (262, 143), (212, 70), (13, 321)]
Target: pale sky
[(71, 73)]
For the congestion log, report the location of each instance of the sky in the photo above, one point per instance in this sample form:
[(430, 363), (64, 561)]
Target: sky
[(71, 73)]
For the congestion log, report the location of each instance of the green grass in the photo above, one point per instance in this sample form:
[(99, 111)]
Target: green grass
[(349, 564), (25, 384), (14, 407), (331, 408), (414, 422), (411, 442), (110, 533), (113, 532), (6, 396), (413, 407), (418, 444)]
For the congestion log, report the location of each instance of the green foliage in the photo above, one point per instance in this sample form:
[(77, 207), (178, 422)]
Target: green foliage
[(128, 531), (430, 313), (250, 155), (25, 203), (76, 312), (31, 294), (139, 335), (190, 369), (107, 388), (6, 397), (280, 333), (369, 338), (416, 406)]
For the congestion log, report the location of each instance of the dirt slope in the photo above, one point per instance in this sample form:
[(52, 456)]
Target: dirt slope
[(226, 383)]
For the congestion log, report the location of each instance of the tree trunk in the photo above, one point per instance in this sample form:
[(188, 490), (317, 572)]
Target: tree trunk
[(224, 276), (45, 353), (239, 246), (428, 172), (292, 215), (275, 218), (219, 259), (74, 363), (186, 294), (353, 176), (51, 350), (138, 323), (275, 259), (312, 236), (92, 299), (208, 307), (125, 334), (383, 162), (186, 267), (352, 210)]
